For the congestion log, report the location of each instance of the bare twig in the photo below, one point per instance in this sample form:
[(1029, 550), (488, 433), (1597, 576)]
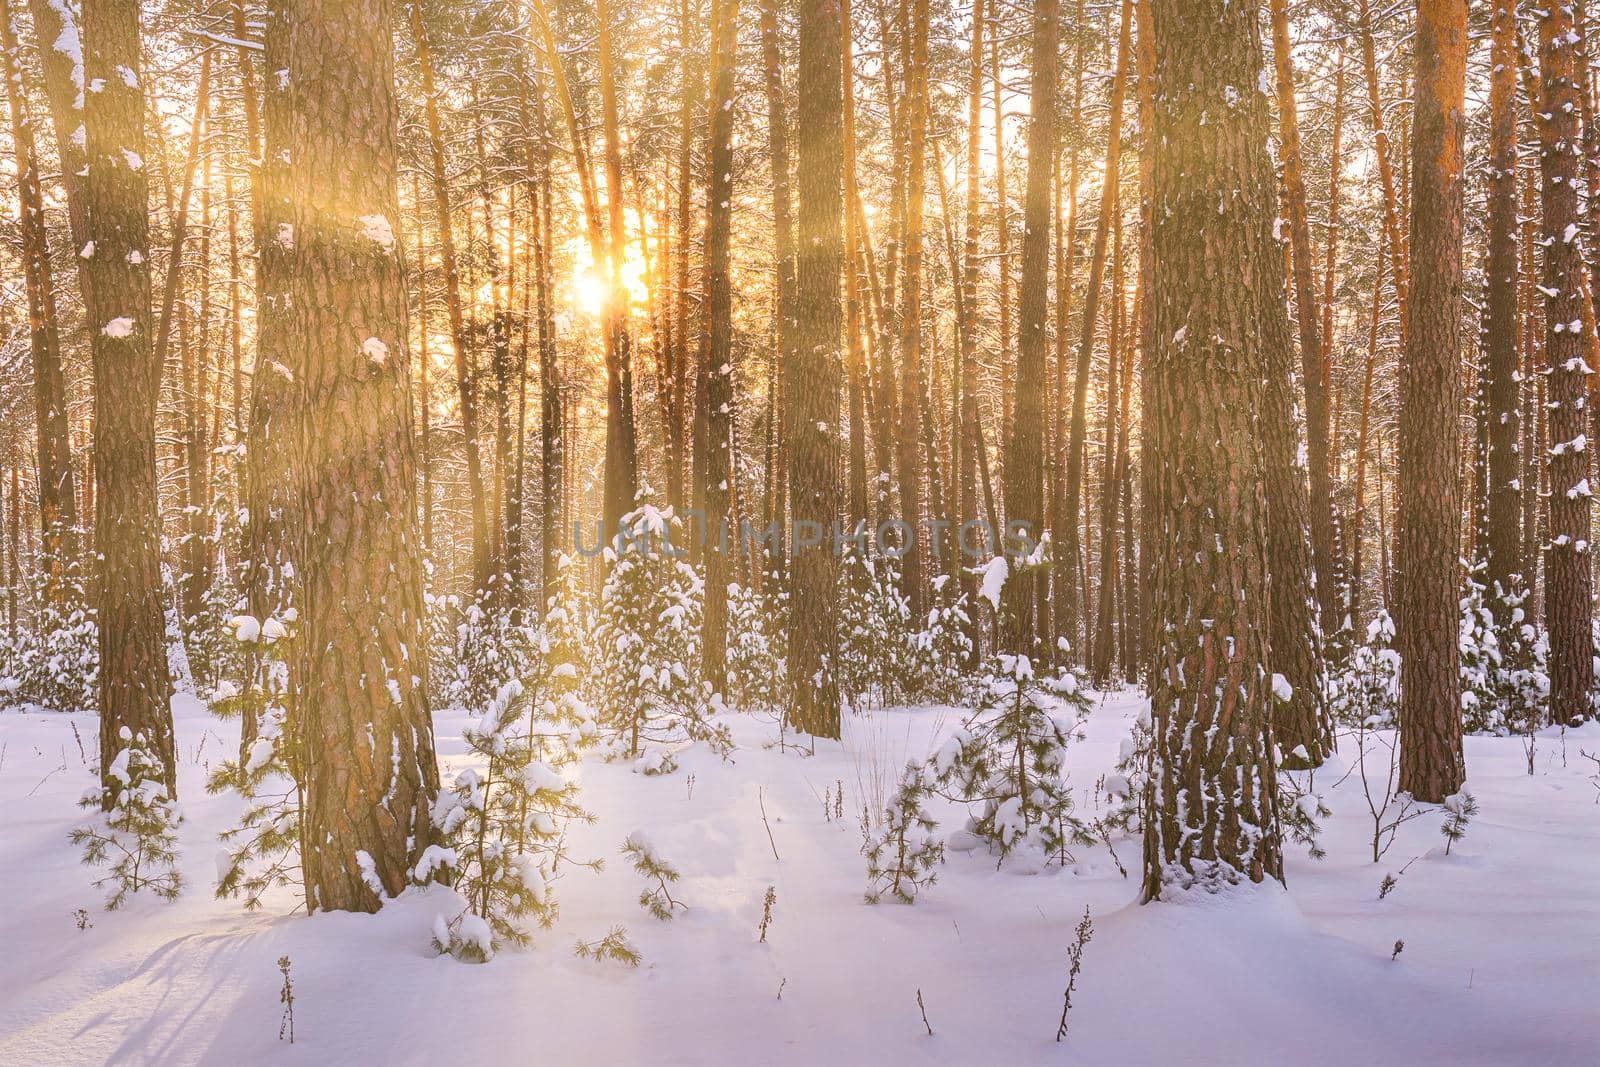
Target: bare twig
[(761, 799)]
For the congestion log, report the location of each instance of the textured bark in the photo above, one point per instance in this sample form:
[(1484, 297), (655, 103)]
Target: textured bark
[(1211, 803), (1313, 354), (1070, 554), (1025, 452), (58, 515), (1500, 541), (1568, 576), (371, 773), (60, 59), (134, 687), (811, 393), (1428, 534), (716, 338)]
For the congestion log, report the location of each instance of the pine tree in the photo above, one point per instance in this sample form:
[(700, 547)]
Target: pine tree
[(1211, 806), (647, 637), (503, 822), (903, 856), (363, 715), (137, 832), (1009, 758)]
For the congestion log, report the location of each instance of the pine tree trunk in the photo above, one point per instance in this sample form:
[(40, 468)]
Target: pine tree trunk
[(1428, 536), (910, 460), (1380, 145), (1212, 818), (1025, 454), (811, 391), (1313, 354), (716, 341), (855, 330), (1069, 555), (1501, 543), (371, 773), (460, 337), (1568, 579), (622, 463), (134, 689), (61, 60), (967, 475), (57, 499)]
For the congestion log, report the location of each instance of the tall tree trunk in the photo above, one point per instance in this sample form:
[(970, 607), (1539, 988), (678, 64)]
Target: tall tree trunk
[(1568, 578), (1071, 550), (967, 433), (371, 774), (811, 394), (622, 462), (1211, 804), (855, 330), (58, 513), (1025, 453), (1392, 214), (915, 119), (1501, 541), (1429, 521), (1313, 354), (716, 339), (134, 688), (55, 29), (460, 336)]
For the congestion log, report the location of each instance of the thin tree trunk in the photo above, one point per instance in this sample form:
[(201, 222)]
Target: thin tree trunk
[(1071, 548)]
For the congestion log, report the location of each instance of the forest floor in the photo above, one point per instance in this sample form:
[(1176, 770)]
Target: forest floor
[(1501, 961)]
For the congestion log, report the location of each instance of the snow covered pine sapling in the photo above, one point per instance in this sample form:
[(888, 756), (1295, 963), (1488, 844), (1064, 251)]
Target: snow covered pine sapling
[(648, 636), (902, 855), (656, 899), (1009, 758), (503, 829), (1459, 808), (137, 833), (263, 850)]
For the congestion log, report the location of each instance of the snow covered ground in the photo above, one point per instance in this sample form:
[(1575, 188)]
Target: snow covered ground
[(1501, 961)]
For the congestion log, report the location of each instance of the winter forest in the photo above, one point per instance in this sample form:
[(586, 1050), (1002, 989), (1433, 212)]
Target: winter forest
[(795, 531)]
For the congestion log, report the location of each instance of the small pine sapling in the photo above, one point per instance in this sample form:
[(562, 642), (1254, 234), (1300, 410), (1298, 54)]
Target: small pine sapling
[(1399, 947), (1459, 809), (614, 946), (136, 836), (656, 899), (1082, 935), (503, 828), (902, 855), (1009, 759), (1386, 886), (648, 637), (264, 849)]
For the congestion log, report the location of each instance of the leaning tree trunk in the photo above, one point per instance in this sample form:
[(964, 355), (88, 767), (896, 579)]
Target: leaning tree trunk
[(1568, 578), (811, 392), (1428, 538), (1211, 818), (370, 769), (1025, 448), (134, 687)]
